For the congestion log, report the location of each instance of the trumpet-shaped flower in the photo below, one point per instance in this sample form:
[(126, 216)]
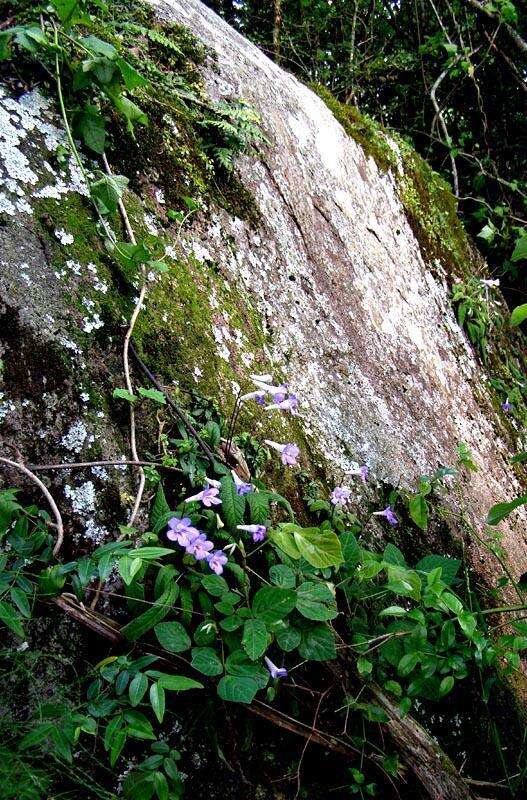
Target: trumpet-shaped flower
[(275, 672), (259, 532), (288, 404), (217, 561), (289, 452), (241, 487), (340, 496), (181, 531), (388, 513), (259, 396), (209, 497), (199, 547), (506, 406)]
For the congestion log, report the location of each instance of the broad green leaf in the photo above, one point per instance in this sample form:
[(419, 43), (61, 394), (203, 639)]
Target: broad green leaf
[(130, 110), (350, 549), (99, 46), (284, 540), (172, 636), (364, 667), (21, 601), (448, 634), (393, 611), (320, 548), (502, 510), (271, 603), (282, 576), (132, 78), (139, 626), (90, 126), (254, 640), (288, 638), (235, 689), (318, 643), (124, 394), (258, 503), (67, 10), (467, 623), (519, 314), (160, 507), (10, 619), (449, 567), (232, 504), (215, 585), (408, 663), (392, 555), (520, 249), (36, 735), (238, 664), (137, 688), (157, 700), (152, 394), (452, 602), (206, 661), (418, 508), (315, 601), (446, 685), (106, 193)]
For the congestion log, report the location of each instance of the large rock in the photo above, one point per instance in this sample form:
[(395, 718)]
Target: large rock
[(330, 287)]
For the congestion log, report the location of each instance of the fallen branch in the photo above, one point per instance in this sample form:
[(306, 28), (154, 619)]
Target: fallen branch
[(59, 525)]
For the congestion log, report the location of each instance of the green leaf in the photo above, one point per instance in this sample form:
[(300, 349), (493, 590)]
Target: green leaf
[(408, 663), (320, 548), (139, 626), (315, 601), (215, 585), (36, 735), (284, 540), (206, 661), (174, 683), (520, 249), (106, 193), (392, 555), (124, 394), (519, 314), (99, 47), (132, 78), (448, 634), (232, 504), (502, 510), (236, 689), (10, 619), (467, 623), (364, 667), (254, 640), (137, 688), (90, 126), (270, 603), (238, 664), (318, 643), (160, 507), (129, 109), (393, 611), (259, 510), (452, 602), (153, 394), (350, 549), (449, 567), (418, 508), (172, 636), (20, 600), (67, 10), (288, 638), (282, 576), (446, 685), (157, 700)]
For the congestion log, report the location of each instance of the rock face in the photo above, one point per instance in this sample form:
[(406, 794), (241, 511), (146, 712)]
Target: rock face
[(347, 305), (363, 322)]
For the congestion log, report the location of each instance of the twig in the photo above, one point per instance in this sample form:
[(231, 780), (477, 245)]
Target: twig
[(126, 364), (81, 464), (56, 513), (442, 123), (174, 407), (308, 740)]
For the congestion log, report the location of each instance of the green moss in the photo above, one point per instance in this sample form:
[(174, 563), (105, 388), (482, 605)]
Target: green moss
[(430, 206)]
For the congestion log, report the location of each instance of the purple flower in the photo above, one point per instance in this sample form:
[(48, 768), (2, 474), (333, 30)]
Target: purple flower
[(278, 393), (340, 496), (289, 404), (363, 473), (388, 513), (289, 452), (181, 531), (259, 532), (259, 396), (199, 547), (241, 487), (506, 406), (209, 497), (217, 561), (275, 672)]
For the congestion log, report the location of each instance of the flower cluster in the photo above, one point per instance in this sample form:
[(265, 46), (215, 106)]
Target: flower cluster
[(195, 543), (341, 494), (282, 399)]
